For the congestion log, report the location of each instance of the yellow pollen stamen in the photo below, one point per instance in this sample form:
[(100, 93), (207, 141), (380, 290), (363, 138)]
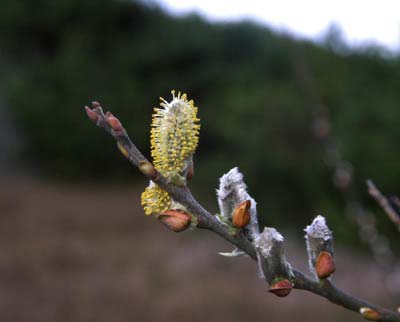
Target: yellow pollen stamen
[(174, 134), (155, 200)]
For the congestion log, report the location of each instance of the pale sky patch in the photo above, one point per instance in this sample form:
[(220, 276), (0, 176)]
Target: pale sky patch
[(361, 21)]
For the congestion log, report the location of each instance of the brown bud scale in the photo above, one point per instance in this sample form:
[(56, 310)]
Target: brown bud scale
[(114, 122), (281, 288), (324, 265), (241, 214), (176, 220)]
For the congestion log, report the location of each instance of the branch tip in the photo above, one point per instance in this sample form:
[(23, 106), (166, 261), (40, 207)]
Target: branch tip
[(92, 115), (96, 104)]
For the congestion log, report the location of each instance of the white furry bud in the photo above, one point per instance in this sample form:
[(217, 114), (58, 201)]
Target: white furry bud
[(231, 192), (318, 229), (271, 256), (319, 241)]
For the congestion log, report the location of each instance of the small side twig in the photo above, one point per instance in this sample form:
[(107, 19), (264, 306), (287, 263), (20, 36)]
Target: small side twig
[(384, 203)]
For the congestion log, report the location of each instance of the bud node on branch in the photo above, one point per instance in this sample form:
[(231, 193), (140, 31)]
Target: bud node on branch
[(370, 314)]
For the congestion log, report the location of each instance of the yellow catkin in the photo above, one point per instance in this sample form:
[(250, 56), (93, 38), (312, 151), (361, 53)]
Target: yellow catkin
[(155, 200), (174, 134)]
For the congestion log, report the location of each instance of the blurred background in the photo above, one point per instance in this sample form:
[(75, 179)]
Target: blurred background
[(308, 115)]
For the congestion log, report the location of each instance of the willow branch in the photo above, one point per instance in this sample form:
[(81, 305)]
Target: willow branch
[(206, 220), (384, 203)]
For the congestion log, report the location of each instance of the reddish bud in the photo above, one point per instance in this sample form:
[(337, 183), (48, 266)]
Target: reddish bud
[(324, 265), (92, 115), (370, 314), (176, 220), (281, 288), (114, 122), (241, 214)]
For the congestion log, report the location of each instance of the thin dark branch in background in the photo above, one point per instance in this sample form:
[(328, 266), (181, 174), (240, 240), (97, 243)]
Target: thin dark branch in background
[(387, 205), (342, 169), (322, 287)]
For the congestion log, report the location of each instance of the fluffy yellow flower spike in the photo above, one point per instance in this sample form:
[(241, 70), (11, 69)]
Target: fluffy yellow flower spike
[(174, 135), (155, 200)]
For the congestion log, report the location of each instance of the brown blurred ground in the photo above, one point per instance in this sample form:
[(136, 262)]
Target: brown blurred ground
[(88, 254)]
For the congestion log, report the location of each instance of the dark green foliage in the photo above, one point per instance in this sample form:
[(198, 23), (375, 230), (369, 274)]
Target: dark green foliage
[(57, 56)]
